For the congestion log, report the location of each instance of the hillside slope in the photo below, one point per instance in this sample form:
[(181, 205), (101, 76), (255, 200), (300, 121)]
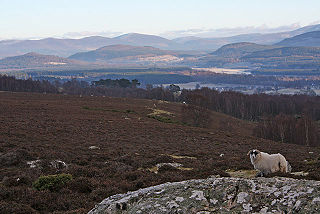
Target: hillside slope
[(137, 39), (113, 145), (287, 58), (310, 39), (240, 49), (286, 52), (32, 60), (118, 51)]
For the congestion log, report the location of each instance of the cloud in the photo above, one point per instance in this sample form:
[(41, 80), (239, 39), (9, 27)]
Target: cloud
[(226, 32), (315, 22), (77, 35)]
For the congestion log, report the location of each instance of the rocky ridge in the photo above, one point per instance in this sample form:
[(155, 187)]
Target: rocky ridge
[(223, 195)]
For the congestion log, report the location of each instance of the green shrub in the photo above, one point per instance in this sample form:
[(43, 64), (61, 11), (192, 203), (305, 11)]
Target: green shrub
[(52, 182)]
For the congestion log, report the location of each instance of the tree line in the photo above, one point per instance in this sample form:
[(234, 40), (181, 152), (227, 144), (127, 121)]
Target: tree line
[(8, 83), (287, 119), (117, 83), (289, 129)]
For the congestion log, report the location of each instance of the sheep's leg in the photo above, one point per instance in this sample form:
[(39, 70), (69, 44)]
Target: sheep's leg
[(289, 168)]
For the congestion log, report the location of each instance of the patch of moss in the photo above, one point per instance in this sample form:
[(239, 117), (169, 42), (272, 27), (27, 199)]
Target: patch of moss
[(162, 119), (242, 173), (162, 116), (52, 182)]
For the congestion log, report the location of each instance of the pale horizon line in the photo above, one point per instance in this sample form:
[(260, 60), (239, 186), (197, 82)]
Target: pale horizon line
[(197, 32)]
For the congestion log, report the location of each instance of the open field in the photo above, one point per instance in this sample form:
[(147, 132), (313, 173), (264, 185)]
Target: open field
[(114, 145), (224, 70)]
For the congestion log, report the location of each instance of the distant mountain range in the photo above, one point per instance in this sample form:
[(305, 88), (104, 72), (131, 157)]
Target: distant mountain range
[(113, 54), (310, 39), (67, 47), (265, 39), (51, 46), (298, 52), (250, 55)]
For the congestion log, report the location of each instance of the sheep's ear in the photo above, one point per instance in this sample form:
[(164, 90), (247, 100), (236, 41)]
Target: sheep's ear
[(249, 152)]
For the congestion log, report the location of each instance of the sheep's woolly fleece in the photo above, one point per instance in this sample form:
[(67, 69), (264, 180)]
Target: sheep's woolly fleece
[(267, 163)]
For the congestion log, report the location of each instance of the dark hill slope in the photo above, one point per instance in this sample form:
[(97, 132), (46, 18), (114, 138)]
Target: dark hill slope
[(305, 29), (310, 39), (240, 49), (286, 52), (118, 51), (31, 60), (289, 58)]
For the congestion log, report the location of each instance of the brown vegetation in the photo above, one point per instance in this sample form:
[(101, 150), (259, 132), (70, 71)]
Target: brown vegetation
[(255, 107), (109, 145)]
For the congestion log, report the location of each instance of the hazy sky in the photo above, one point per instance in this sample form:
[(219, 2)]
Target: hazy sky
[(43, 18)]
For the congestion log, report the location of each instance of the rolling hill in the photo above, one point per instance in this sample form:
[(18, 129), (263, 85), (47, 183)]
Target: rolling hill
[(289, 60), (305, 29), (240, 49), (251, 55), (32, 60), (310, 39), (137, 39), (286, 52), (120, 51)]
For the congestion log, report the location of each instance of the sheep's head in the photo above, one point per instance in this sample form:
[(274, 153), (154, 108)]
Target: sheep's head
[(254, 153)]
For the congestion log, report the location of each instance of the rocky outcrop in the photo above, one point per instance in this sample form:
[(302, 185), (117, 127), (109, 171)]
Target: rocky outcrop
[(222, 195)]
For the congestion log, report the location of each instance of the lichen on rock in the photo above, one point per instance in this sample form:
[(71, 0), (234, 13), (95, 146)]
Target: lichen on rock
[(222, 195)]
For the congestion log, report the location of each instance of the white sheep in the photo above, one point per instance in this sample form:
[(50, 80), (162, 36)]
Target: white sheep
[(267, 163)]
